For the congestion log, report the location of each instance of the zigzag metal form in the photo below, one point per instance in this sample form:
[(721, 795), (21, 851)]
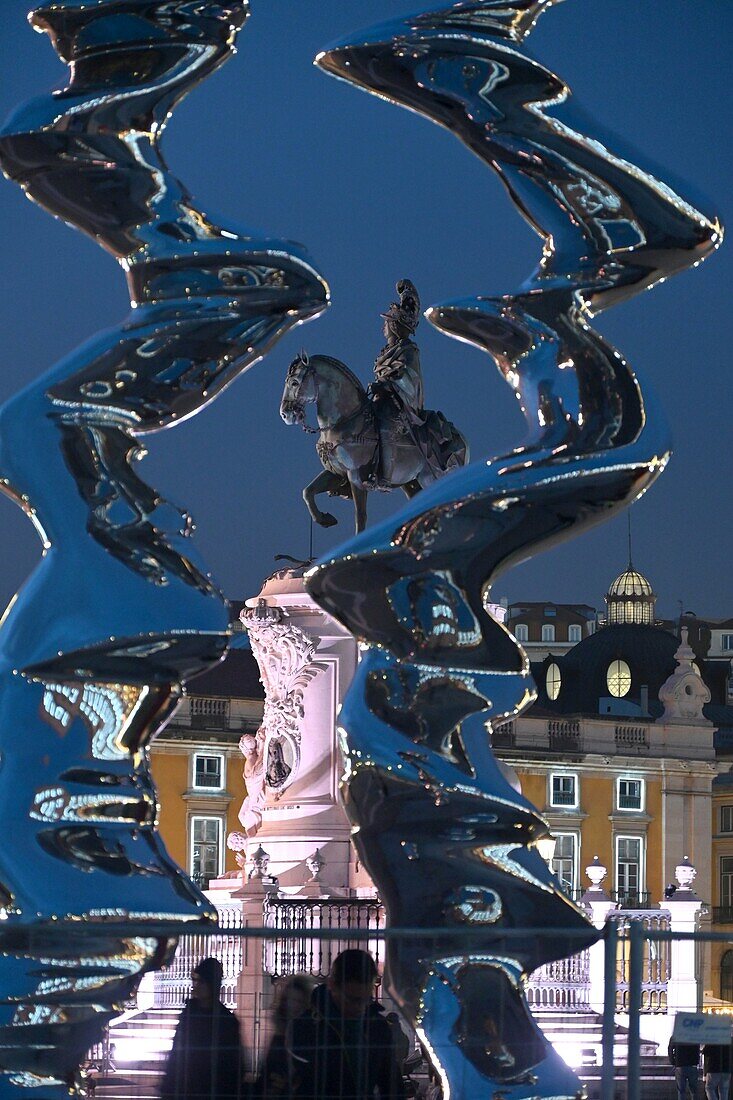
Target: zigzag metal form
[(449, 842), (119, 612)]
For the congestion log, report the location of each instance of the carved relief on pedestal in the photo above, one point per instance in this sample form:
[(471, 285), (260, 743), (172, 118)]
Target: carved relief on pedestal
[(284, 654)]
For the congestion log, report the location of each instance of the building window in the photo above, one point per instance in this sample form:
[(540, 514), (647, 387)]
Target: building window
[(208, 771), (629, 868), (618, 679), (575, 633), (726, 819), (548, 632), (726, 976), (727, 641), (564, 790), (565, 861), (726, 882), (553, 681), (630, 794), (206, 849), (521, 632)]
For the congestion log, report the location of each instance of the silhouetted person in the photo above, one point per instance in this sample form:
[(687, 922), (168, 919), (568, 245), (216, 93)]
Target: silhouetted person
[(685, 1058), (206, 1061), (343, 1048), (292, 999), (716, 1065)]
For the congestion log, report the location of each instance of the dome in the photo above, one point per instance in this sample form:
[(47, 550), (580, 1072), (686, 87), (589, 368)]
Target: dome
[(631, 600), (631, 583)]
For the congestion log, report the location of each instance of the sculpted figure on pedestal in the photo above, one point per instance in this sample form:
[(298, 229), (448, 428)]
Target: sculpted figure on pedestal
[(284, 654)]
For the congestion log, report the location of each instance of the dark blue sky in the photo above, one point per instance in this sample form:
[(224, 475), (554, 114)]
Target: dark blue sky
[(377, 193)]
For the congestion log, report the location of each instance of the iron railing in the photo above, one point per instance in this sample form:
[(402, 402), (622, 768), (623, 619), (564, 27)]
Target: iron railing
[(632, 899), (293, 946)]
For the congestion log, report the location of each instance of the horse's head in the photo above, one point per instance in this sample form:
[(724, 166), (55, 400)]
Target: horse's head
[(300, 390)]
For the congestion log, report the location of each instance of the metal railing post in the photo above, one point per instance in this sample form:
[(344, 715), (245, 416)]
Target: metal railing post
[(636, 967), (609, 1008)]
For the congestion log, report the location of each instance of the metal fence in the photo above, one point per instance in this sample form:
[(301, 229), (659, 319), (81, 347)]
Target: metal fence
[(303, 935)]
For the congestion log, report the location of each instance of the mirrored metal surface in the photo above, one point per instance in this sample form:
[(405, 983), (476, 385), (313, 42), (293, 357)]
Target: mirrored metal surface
[(120, 610), (449, 842)]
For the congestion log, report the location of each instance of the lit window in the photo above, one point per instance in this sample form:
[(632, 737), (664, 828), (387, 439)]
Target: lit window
[(208, 771), (521, 632), (618, 679), (553, 681), (630, 794), (564, 790), (548, 633), (575, 633), (726, 819), (629, 869), (206, 849), (727, 641), (565, 861)]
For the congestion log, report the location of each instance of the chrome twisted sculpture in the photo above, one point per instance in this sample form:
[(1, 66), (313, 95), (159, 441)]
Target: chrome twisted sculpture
[(119, 612), (450, 844)]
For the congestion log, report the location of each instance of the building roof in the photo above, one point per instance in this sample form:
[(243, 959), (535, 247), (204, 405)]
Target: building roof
[(648, 651)]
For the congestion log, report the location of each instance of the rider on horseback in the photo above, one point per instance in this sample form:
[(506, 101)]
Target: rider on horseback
[(397, 392)]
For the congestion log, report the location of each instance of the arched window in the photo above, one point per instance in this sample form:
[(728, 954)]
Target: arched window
[(618, 679), (521, 632), (575, 633), (548, 633), (726, 976)]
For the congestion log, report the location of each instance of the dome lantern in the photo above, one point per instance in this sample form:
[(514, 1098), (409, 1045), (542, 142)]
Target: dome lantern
[(631, 600)]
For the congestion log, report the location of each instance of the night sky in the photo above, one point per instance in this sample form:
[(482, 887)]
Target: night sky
[(377, 193)]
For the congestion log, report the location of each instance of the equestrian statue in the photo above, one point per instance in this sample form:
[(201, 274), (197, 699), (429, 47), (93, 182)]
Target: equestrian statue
[(379, 438)]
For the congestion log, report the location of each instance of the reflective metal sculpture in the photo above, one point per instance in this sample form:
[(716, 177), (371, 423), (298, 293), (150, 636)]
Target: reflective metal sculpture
[(378, 438), (450, 844), (119, 611)]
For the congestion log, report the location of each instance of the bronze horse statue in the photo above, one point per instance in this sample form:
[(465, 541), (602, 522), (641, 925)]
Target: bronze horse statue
[(359, 438)]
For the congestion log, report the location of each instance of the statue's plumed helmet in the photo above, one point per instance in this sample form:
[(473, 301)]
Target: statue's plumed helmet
[(406, 312)]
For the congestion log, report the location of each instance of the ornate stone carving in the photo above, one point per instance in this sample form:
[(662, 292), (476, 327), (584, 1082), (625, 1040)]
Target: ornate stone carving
[(685, 693), (284, 654)]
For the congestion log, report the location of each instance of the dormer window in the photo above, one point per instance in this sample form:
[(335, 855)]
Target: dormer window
[(548, 632), (618, 679), (521, 632), (575, 633), (553, 681)]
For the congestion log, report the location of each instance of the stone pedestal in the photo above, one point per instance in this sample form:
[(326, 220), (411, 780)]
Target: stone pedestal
[(683, 991), (307, 661), (254, 987), (599, 905)]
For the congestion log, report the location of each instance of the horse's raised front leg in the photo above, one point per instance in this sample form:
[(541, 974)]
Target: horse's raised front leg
[(359, 496), (322, 484)]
